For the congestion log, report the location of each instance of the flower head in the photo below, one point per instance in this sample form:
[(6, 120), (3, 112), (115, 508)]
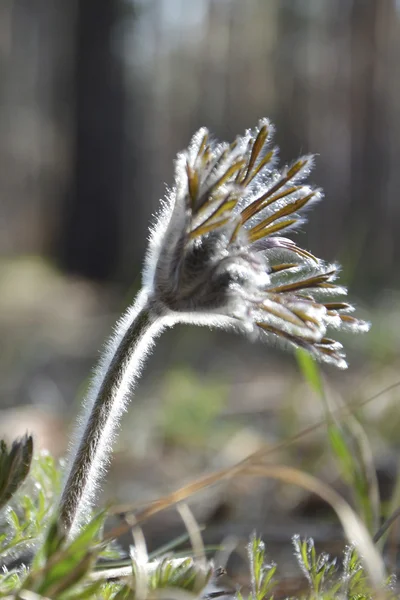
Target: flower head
[(217, 253)]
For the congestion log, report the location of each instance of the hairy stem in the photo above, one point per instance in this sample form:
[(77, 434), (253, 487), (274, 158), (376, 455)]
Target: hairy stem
[(106, 401)]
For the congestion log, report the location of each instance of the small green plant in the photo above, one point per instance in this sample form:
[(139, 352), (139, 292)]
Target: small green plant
[(261, 573), (327, 578), (39, 561), (23, 521), (330, 578), (25, 515)]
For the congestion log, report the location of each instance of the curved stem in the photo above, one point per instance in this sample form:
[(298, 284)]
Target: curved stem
[(106, 401)]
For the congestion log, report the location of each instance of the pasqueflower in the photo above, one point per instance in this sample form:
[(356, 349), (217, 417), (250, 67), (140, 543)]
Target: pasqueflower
[(218, 255)]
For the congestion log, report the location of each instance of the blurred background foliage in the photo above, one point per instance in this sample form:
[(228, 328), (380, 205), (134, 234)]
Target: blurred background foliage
[(96, 98)]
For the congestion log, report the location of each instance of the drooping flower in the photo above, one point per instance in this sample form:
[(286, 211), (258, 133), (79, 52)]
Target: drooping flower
[(217, 253), (216, 256)]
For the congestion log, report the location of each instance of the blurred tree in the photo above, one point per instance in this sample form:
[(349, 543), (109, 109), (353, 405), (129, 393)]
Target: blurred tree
[(90, 236), (370, 146)]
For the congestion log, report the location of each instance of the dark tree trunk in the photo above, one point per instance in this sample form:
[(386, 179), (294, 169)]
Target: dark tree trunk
[(90, 236), (369, 160)]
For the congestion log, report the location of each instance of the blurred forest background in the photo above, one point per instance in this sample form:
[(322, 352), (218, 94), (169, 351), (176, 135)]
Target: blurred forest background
[(96, 98)]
